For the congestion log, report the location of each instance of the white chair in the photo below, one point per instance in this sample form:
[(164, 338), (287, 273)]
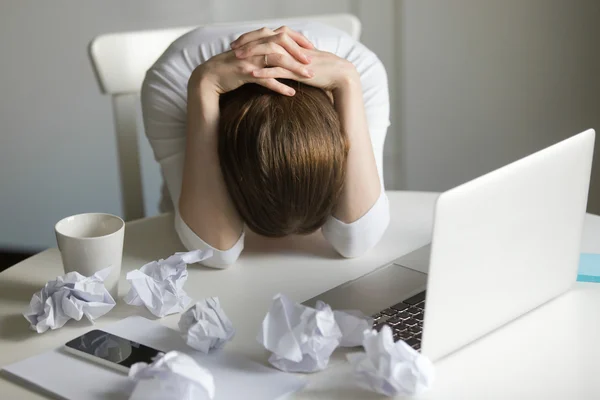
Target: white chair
[(121, 60)]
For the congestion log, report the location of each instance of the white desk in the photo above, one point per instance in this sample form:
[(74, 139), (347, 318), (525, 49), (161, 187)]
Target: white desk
[(552, 353)]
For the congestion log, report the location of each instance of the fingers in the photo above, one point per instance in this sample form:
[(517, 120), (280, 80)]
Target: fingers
[(284, 61), (277, 72), (277, 43), (276, 86), (248, 71), (251, 36), (296, 36)]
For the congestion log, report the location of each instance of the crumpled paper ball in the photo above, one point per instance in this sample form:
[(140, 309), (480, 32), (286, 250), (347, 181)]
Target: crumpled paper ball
[(353, 324), (172, 376), (205, 325), (390, 368), (70, 296), (158, 285), (301, 338)]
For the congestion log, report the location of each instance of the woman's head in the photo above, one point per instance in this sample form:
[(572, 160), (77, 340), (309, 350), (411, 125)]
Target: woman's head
[(282, 158)]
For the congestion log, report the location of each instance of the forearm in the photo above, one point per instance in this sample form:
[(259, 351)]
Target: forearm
[(362, 186), (205, 204)]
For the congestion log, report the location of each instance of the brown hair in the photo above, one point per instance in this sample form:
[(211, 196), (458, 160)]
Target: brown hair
[(282, 158)]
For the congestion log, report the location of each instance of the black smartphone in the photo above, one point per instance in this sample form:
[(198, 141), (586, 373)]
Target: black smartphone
[(110, 350)]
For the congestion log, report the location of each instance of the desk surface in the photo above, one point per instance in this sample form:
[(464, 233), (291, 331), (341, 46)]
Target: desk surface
[(553, 352)]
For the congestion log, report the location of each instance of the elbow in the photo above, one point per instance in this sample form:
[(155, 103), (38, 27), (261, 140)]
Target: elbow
[(352, 251), (357, 238), (358, 247), (220, 259), (357, 243)]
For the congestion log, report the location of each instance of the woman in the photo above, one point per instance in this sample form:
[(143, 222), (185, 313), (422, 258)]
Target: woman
[(279, 131)]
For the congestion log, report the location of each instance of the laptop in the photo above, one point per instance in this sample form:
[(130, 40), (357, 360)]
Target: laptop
[(502, 245)]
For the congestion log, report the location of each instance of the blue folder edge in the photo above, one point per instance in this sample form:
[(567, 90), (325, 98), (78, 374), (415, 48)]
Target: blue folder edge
[(589, 268)]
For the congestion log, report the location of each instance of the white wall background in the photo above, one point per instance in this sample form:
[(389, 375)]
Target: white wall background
[(474, 84), (484, 82)]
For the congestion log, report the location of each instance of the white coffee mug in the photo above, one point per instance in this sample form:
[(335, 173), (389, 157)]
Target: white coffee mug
[(91, 242)]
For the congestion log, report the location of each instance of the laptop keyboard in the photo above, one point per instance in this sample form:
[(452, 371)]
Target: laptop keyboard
[(405, 319)]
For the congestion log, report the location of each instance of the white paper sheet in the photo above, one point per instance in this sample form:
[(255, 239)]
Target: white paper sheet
[(158, 285), (205, 325), (174, 376), (70, 296), (301, 338), (74, 378), (390, 368)]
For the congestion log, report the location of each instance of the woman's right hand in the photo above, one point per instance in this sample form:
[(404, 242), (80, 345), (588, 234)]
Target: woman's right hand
[(226, 72)]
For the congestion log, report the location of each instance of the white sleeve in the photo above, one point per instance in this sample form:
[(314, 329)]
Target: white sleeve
[(356, 238), (164, 108)]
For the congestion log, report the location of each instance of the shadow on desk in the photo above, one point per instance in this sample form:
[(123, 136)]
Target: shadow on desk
[(8, 258), (314, 245), (17, 291), (15, 328)]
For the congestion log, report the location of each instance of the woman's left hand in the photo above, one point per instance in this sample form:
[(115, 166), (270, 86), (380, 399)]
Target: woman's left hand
[(329, 72)]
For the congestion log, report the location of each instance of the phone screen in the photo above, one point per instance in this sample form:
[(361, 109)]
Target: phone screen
[(113, 348)]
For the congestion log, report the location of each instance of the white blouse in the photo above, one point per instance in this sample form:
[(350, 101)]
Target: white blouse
[(164, 97)]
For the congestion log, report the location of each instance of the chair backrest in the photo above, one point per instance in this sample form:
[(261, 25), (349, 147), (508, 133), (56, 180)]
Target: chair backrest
[(120, 62)]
